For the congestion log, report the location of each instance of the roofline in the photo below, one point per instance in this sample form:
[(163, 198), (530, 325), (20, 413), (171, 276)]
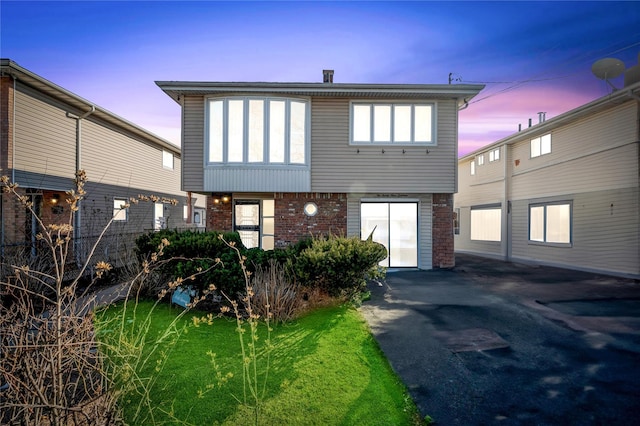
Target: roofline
[(12, 69), (628, 93), (457, 91)]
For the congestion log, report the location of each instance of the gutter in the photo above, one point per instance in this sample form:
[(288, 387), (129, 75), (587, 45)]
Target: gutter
[(77, 216)]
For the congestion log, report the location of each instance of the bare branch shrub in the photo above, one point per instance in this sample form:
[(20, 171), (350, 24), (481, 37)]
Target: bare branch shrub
[(275, 293)]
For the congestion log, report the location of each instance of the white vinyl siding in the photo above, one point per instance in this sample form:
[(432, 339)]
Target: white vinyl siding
[(337, 166)]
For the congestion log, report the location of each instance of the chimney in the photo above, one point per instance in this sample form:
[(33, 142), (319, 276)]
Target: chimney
[(327, 76)]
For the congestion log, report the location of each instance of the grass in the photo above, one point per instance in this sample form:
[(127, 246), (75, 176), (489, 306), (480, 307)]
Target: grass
[(325, 369)]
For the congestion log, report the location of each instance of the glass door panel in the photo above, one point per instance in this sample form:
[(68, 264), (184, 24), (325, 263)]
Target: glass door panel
[(247, 222), (403, 231), (374, 217)]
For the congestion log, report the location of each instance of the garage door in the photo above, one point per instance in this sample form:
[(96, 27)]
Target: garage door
[(395, 225)]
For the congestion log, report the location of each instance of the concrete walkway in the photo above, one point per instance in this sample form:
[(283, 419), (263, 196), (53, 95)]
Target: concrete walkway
[(492, 342)]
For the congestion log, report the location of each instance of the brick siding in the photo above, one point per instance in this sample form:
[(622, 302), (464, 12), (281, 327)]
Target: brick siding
[(442, 231), (291, 223)]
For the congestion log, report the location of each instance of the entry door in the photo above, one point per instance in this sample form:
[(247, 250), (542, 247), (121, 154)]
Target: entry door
[(247, 222), (395, 225)]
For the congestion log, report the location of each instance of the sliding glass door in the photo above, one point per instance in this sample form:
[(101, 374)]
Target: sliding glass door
[(394, 225)]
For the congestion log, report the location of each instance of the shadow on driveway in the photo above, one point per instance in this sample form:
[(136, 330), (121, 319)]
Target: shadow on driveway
[(493, 342)]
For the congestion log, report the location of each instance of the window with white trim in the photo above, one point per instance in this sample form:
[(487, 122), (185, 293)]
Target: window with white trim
[(486, 223), (550, 223), (480, 159), (473, 167), (120, 212), (167, 159), (392, 123), (541, 145), (494, 155), (252, 130)]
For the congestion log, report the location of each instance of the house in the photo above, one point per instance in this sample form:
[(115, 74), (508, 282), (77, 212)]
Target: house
[(563, 192), (47, 134), (283, 161)]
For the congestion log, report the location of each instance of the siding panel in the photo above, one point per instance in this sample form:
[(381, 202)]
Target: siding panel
[(337, 166), (193, 120)]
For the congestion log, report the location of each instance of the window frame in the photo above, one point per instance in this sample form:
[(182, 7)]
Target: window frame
[(266, 127), (539, 142), (165, 158), (496, 206), (118, 210), (544, 241), (480, 159), (494, 155), (473, 167), (393, 133)]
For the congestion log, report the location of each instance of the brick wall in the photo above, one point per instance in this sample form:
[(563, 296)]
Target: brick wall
[(219, 215), (291, 224), (442, 232)]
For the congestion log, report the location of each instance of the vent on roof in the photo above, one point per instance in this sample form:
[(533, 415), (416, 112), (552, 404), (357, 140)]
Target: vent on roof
[(327, 76)]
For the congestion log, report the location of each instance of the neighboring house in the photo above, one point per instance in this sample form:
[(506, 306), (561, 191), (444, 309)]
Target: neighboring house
[(564, 192), (47, 134), (283, 161)]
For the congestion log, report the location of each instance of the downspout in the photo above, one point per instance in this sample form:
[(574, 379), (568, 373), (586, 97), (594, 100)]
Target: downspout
[(13, 162), (77, 216)]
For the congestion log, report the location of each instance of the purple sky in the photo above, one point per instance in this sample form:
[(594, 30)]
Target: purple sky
[(532, 56)]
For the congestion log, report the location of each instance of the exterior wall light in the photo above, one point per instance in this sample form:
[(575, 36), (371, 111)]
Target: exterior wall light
[(55, 198), (221, 199), (310, 209)]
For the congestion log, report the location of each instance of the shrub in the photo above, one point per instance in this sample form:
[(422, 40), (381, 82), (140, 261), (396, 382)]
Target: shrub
[(339, 265), (190, 252)]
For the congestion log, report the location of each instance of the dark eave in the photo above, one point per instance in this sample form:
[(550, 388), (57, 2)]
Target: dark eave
[(462, 92)]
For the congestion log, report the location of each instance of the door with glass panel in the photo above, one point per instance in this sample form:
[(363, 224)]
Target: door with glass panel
[(254, 221), (394, 225)]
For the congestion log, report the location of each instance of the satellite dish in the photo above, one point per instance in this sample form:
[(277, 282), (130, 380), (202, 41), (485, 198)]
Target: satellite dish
[(607, 68)]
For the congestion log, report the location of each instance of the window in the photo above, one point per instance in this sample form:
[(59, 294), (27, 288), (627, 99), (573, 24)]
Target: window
[(473, 167), (392, 123), (541, 145), (120, 212), (486, 224), (257, 131), (494, 155), (167, 159), (480, 159), (550, 223)]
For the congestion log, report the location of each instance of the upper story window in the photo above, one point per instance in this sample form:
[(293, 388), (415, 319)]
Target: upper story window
[(167, 159), (494, 155), (541, 145), (257, 130), (392, 123), (480, 159), (473, 167)]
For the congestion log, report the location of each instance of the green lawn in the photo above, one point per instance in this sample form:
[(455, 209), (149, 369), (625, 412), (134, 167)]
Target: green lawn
[(325, 369)]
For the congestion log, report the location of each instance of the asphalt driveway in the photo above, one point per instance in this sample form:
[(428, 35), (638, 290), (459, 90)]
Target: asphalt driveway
[(492, 342)]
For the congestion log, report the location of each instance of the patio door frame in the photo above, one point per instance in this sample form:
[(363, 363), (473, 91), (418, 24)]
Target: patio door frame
[(389, 202)]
